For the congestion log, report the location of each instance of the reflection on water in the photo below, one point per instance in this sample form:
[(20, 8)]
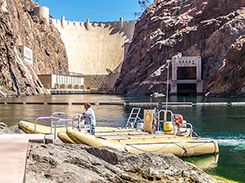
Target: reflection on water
[(223, 123), (206, 163)]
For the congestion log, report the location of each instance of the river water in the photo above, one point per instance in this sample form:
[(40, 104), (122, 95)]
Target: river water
[(224, 123)]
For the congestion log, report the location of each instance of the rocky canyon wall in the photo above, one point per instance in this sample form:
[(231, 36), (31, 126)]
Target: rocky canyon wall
[(212, 29), (19, 26)]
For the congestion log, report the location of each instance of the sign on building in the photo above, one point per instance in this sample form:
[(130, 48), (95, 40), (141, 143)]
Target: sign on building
[(26, 53)]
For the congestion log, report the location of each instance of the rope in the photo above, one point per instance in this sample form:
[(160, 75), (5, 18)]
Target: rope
[(182, 147), (145, 150), (214, 146), (125, 149)]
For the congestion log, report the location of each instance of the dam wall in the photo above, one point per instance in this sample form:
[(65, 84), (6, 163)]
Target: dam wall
[(93, 47)]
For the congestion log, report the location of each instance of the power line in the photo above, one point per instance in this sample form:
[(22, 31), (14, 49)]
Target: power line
[(143, 6)]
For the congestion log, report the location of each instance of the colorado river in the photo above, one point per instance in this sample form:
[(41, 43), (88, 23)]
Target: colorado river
[(225, 123)]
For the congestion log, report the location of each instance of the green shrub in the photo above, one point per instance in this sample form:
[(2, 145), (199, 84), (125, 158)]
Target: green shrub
[(6, 86), (177, 31)]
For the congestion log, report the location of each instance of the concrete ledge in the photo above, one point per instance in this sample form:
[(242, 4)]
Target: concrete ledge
[(81, 103), (13, 148), (15, 102), (21, 136), (58, 103), (112, 103), (35, 103)]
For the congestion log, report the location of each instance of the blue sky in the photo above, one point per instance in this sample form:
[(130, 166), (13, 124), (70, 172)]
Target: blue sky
[(95, 10)]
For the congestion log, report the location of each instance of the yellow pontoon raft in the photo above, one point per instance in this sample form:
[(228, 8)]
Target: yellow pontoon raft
[(159, 132)]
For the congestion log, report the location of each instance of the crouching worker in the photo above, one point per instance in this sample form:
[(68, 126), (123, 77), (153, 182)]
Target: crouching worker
[(91, 119)]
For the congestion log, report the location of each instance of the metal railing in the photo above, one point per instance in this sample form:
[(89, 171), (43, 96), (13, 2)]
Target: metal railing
[(82, 123), (59, 119)]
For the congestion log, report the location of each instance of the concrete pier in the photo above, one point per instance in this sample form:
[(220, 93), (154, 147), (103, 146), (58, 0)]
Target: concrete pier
[(13, 149)]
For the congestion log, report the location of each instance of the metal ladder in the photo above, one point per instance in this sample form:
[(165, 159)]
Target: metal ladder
[(134, 115)]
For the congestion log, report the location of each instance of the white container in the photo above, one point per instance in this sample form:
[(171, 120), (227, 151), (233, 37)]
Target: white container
[(140, 126)]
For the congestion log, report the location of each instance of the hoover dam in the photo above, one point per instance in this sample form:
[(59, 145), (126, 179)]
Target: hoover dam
[(94, 47)]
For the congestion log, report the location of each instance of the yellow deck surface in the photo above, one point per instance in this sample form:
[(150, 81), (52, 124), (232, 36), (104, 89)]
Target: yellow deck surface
[(28, 127), (140, 142)]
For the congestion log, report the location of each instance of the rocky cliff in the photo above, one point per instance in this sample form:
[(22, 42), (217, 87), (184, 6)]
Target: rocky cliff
[(212, 29), (19, 26), (81, 163)]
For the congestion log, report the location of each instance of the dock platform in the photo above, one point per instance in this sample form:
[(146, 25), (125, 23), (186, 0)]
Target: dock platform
[(13, 149)]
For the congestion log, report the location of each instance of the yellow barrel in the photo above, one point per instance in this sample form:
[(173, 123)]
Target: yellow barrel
[(168, 127)]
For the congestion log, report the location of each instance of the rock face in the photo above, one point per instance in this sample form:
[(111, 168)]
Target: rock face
[(14, 129), (229, 80), (80, 163), (212, 29), (19, 26)]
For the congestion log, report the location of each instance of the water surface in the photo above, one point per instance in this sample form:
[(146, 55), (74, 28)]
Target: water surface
[(224, 123)]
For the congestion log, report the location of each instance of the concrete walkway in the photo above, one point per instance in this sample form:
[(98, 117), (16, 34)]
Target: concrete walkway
[(13, 148)]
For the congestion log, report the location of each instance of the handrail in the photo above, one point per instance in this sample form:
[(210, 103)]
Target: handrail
[(164, 120), (41, 117), (56, 116), (86, 117), (79, 115), (61, 121), (53, 119)]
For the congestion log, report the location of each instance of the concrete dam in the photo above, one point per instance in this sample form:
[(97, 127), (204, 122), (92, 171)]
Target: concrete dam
[(93, 47)]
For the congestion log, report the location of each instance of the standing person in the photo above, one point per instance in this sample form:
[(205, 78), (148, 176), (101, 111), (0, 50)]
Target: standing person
[(90, 112)]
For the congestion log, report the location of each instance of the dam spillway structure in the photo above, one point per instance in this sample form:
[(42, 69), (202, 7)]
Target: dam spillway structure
[(94, 47)]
